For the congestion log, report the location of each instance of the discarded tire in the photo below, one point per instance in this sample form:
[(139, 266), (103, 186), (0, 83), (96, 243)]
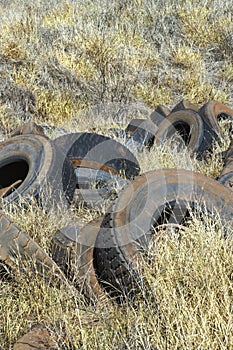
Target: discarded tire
[(163, 110), (142, 134), (212, 111), (72, 249), (98, 152), (196, 135), (157, 118), (31, 165), (185, 104), (17, 245), (150, 200)]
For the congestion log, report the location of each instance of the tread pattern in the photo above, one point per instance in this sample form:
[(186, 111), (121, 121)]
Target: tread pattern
[(16, 244)]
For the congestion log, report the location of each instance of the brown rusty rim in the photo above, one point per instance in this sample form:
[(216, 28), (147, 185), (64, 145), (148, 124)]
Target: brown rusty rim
[(85, 163)]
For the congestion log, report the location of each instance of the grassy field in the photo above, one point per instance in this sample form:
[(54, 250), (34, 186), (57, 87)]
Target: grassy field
[(89, 66)]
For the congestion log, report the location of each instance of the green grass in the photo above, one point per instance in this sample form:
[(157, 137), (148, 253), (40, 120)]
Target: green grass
[(89, 66)]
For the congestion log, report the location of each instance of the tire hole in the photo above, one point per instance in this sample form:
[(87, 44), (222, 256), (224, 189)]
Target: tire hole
[(12, 175)]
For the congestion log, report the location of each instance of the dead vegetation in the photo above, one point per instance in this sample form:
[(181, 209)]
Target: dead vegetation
[(89, 66)]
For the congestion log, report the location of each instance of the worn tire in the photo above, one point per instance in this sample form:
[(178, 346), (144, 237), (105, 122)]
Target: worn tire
[(163, 110), (197, 135), (185, 104), (151, 199), (212, 111), (41, 169), (98, 152), (16, 244), (142, 134), (72, 249)]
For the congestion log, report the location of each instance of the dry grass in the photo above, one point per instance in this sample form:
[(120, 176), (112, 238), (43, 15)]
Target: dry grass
[(88, 66)]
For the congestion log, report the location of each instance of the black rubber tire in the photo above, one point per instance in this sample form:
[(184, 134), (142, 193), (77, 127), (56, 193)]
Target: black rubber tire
[(142, 134), (197, 135), (212, 112), (163, 110), (101, 149), (185, 104), (72, 249), (43, 170), (95, 187), (157, 118), (128, 225), (16, 244)]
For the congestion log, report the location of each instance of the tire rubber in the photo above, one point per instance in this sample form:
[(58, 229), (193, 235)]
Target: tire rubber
[(185, 104), (142, 134), (127, 226), (72, 249), (100, 149), (41, 169), (196, 134), (16, 244), (212, 111)]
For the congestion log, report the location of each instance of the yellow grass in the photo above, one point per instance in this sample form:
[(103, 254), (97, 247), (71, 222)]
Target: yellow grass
[(86, 63)]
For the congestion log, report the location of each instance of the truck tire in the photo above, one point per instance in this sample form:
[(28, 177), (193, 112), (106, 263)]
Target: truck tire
[(31, 165), (16, 244), (154, 198), (212, 111), (72, 249), (196, 135)]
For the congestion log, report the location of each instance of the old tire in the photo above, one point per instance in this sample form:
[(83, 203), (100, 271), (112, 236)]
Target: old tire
[(185, 104), (196, 135), (37, 168), (89, 150), (72, 249), (17, 245), (142, 134), (150, 200), (212, 111)]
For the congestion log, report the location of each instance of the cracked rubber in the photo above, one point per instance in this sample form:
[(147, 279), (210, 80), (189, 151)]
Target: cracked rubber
[(128, 226)]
